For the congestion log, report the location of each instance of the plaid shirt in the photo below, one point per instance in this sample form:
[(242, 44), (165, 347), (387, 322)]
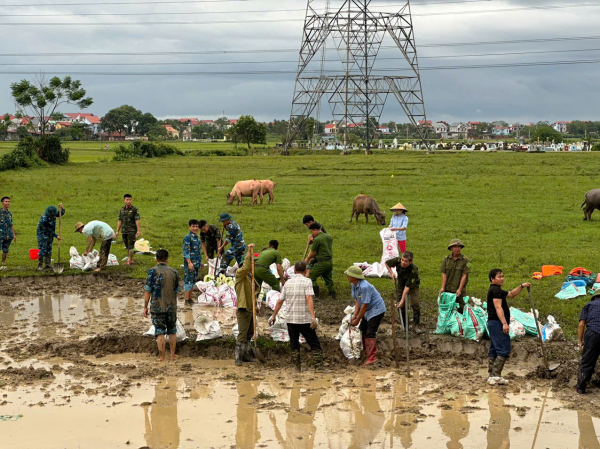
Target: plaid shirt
[(294, 293), (591, 314)]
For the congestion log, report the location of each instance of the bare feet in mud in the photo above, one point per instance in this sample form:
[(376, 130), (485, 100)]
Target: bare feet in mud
[(174, 357)]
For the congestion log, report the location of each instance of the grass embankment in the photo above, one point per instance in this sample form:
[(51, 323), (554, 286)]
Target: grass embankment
[(513, 211)]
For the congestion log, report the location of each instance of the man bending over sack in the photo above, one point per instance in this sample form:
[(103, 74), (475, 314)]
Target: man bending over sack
[(300, 316), (162, 285), (95, 230), (589, 343), (243, 290), (262, 270), (369, 311), (498, 325)]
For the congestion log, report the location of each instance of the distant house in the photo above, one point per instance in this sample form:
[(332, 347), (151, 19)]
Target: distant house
[(331, 129), (561, 127), (384, 130), (84, 118), (501, 131), (187, 133), (171, 132), (191, 121), (473, 125), (208, 122), (112, 137), (458, 128), (441, 128), (425, 123)]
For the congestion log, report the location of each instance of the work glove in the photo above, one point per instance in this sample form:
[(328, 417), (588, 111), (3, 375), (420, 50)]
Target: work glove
[(314, 324)]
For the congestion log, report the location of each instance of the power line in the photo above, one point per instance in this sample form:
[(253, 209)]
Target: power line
[(222, 22), (78, 64), (294, 50), (283, 72)]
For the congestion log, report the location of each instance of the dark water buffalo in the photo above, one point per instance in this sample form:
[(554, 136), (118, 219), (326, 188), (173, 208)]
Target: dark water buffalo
[(592, 201), (365, 204)]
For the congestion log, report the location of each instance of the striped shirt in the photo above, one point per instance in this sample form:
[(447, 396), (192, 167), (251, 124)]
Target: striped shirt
[(294, 292)]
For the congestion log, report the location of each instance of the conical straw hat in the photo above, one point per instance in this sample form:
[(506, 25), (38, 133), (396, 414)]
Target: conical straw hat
[(399, 206), (143, 246)]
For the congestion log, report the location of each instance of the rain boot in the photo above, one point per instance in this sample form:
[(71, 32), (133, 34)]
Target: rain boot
[(491, 361), (238, 353), (296, 360), (496, 376), (247, 353), (40, 265), (316, 291), (48, 263), (581, 382), (318, 360), (417, 320), (371, 345)]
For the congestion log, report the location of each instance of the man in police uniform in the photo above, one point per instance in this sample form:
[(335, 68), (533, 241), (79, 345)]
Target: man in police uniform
[(129, 224), (455, 273), (7, 230), (235, 237)]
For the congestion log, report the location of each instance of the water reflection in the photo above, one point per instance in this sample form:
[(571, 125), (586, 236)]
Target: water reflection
[(368, 416), (455, 424), (160, 421), (587, 432), (7, 312), (499, 425), (247, 434), (403, 420)]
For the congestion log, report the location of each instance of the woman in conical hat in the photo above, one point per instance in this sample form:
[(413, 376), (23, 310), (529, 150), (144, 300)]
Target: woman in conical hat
[(399, 223)]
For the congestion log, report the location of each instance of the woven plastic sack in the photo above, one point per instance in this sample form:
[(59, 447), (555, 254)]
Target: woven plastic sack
[(227, 297), (207, 329), (345, 322), (474, 322), (272, 298), (112, 261), (351, 343), (515, 329), (447, 314), (181, 335), (209, 297), (526, 319), (552, 330), (279, 330)]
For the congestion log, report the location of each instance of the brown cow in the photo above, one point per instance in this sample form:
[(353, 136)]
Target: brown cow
[(243, 189), (267, 188), (364, 204)]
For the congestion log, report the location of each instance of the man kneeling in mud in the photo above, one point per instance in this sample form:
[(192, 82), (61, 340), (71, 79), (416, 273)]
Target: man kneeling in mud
[(162, 285)]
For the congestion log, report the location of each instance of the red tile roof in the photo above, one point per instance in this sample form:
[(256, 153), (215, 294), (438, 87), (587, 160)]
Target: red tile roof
[(329, 126)]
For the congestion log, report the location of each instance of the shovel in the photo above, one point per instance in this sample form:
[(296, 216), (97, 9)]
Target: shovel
[(550, 367), (59, 267), (255, 350), (306, 251)]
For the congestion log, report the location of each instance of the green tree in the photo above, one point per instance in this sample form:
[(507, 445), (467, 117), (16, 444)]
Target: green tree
[(157, 132), (217, 134), (145, 122), (249, 131), (122, 119), (22, 131), (544, 133), (221, 123), (42, 97), (4, 124), (202, 130)]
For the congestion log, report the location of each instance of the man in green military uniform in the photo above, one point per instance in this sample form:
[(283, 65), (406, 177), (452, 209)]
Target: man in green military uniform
[(243, 291), (262, 271), (455, 273), (322, 252), (129, 226), (408, 283)]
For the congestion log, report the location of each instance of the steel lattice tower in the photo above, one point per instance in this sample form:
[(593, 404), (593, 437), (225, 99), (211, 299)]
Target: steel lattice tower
[(356, 90)]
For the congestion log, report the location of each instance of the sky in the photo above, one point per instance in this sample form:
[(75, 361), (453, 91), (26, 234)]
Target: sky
[(120, 62)]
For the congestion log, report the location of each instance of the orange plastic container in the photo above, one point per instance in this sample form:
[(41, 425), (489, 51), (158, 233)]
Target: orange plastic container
[(34, 254)]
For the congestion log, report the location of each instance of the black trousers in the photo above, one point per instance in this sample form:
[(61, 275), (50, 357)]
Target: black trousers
[(369, 328), (310, 335), (589, 357)]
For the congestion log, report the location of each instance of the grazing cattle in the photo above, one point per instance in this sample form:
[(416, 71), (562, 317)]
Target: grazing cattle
[(365, 204), (267, 188), (243, 189), (592, 201)]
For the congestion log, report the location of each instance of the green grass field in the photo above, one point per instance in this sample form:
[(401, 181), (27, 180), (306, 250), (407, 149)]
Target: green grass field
[(513, 211)]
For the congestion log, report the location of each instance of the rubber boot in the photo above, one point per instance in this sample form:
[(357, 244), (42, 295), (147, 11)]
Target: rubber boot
[(371, 345), (417, 321), (333, 295), (491, 361), (296, 360), (581, 382), (316, 291), (247, 353), (318, 360), (48, 263), (40, 265), (496, 377), (238, 353)]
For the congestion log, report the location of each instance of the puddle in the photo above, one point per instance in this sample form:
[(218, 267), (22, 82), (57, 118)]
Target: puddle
[(354, 412)]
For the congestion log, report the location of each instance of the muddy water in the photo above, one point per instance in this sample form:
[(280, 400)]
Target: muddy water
[(369, 408)]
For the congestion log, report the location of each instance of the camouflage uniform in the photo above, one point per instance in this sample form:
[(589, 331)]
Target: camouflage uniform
[(6, 234), (46, 232), (128, 217), (237, 250), (192, 249), (162, 283)]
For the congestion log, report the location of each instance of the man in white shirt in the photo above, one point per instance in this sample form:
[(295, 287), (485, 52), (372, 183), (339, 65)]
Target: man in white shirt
[(97, 230), (300, 316)]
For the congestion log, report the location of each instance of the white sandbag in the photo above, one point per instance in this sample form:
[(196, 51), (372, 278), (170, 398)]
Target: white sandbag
[(204, 285), (390, 245), (227, 297), (181, 335), (279, 330), (232, 270), (207, 329), (351, 343), (345, 322), (516, 329), (112, 261), (289, 273), (285, 264), (272, 297), (77, 262), (212, 266), (552, 331), (210, 297), (73, 252)]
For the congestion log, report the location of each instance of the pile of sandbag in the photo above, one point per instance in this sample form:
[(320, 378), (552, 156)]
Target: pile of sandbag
[(181, 335), (89, 262), (389, 251), (349, 336), (211, 295), (279, 330)]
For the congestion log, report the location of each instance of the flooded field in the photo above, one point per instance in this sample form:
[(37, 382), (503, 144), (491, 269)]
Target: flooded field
[(76, 372)]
